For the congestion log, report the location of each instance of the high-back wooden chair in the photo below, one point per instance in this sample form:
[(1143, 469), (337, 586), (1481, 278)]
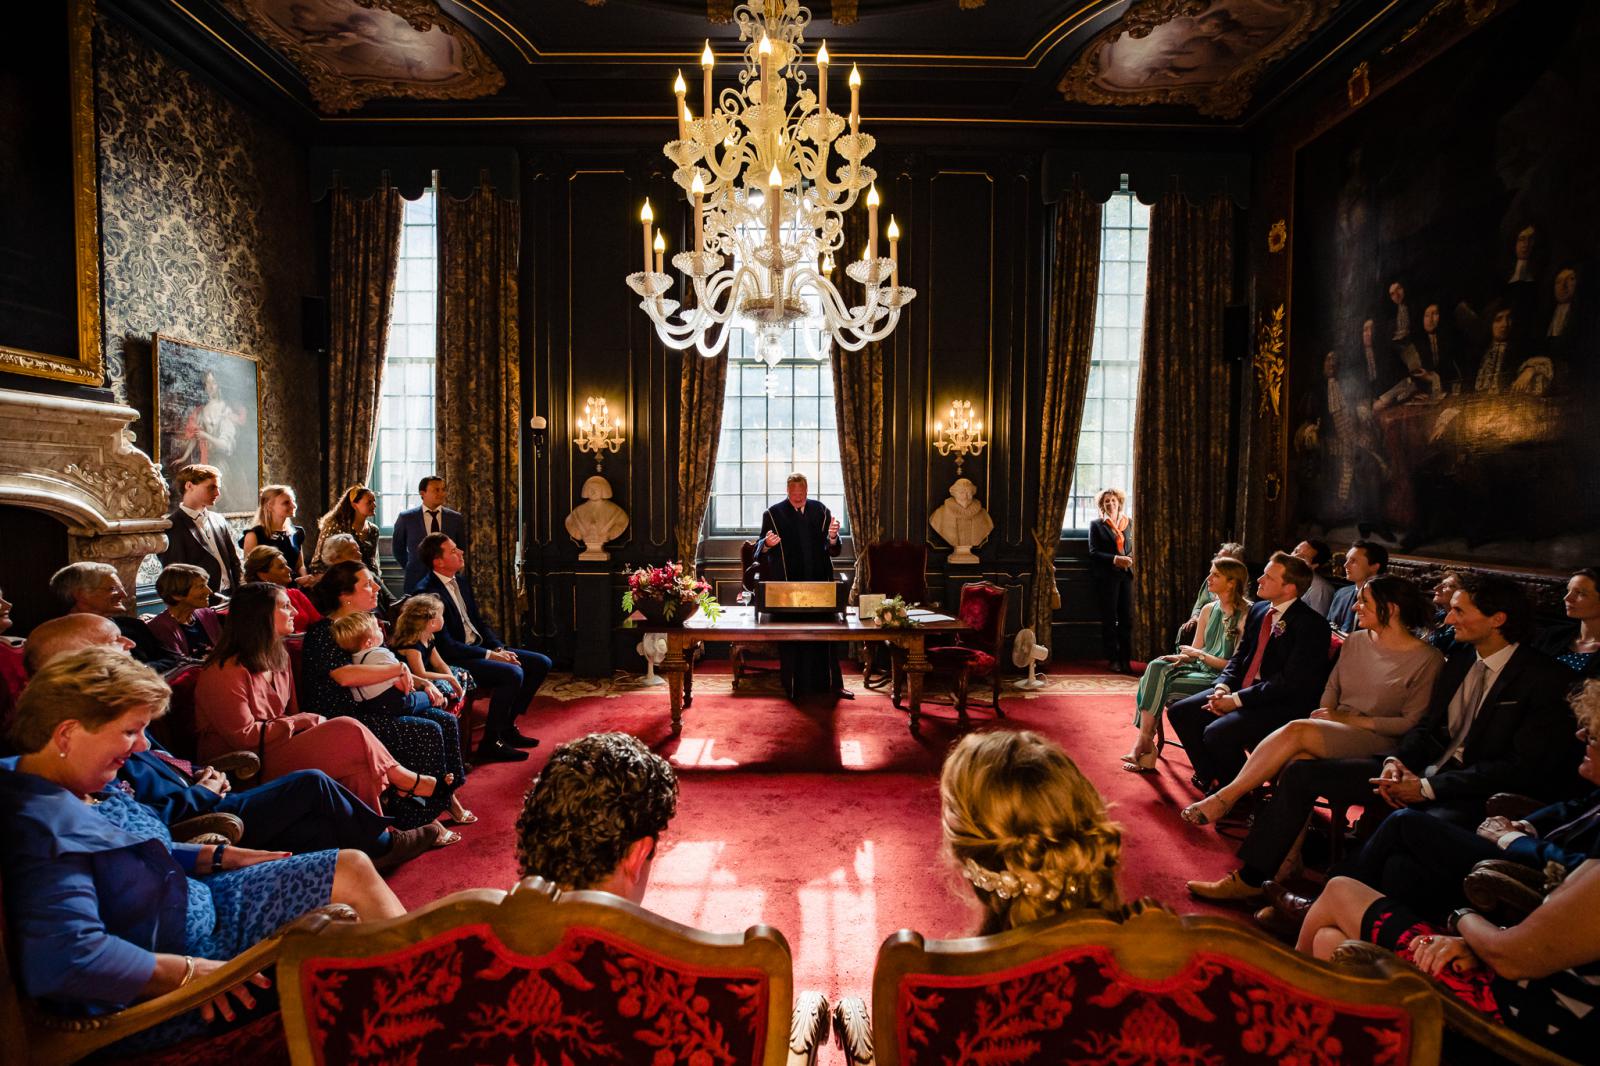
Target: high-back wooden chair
[(891, 568), (976, 652), (746, 656), (541, 975), (1152, 987)]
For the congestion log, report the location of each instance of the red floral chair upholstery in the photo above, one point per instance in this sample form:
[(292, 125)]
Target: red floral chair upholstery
[(892, 568), (975, 653), (538, 975), (176, 729), (1154, 988)]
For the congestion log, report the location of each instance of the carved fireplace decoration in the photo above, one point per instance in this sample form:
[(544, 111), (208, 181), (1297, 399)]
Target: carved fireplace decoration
[(74, 459), (1205, 54), (352, 51)]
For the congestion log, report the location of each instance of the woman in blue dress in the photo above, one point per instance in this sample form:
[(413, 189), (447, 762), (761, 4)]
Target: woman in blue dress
[(105, 908)]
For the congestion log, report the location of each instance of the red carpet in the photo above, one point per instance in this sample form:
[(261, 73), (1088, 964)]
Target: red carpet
[(822, 820)]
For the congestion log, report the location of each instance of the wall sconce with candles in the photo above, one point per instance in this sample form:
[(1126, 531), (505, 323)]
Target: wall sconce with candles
[(597, 432), (960, 435)]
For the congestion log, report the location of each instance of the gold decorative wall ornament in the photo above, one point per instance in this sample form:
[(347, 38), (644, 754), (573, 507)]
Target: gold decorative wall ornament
[(1359, 85), (352, 51), (1277, 236), (1205, 54), (85, 365), (1269, 361), (1473, 11)]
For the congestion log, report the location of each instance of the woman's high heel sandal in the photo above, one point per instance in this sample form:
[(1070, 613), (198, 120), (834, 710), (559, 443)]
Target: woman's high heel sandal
[(416, 786), (1195, 813), (1139, 762)]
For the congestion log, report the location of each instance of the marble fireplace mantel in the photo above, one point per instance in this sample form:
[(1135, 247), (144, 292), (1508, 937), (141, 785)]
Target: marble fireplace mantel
[(75, 459)]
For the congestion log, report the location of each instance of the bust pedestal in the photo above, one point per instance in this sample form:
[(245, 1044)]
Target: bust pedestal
[(595, 607)]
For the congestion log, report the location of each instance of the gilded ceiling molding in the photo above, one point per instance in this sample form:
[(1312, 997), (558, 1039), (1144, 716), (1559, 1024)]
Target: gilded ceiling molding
[(719, 11), (1205, 54), (843, 13), (1473, 11), (348, 59)]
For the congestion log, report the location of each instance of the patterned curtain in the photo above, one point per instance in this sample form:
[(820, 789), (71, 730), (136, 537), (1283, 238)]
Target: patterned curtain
[(699, 427), (1183, 425), (858, 404), (364, 252), (1069, 339), (478, 384)]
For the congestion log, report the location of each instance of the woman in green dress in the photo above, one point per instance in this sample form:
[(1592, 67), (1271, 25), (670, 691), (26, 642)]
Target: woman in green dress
[(1193, 667)]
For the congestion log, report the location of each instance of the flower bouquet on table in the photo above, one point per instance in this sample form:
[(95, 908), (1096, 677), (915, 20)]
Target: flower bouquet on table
[(892, 613), (665, 594)]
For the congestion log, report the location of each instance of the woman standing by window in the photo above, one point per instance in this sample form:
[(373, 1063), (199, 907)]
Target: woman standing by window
[(1111, 570)]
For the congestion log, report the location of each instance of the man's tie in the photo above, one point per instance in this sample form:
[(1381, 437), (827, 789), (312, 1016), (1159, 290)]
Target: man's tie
[(433, 521), (1471, 696), (1264, 635), (183, 766)]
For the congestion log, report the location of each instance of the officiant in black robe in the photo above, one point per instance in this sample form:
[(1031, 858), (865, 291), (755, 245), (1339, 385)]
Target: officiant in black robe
[(799, 539)]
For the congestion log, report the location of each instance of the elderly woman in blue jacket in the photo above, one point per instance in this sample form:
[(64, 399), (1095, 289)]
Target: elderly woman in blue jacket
[(105, 908)]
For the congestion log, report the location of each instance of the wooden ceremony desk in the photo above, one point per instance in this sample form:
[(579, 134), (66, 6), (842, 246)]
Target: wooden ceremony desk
[(738, 625)]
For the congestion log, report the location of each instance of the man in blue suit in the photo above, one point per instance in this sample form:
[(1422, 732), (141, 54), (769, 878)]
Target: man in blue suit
[(1365, 560), (1275, 676), (303, 811), (411, 526), (512, 675)]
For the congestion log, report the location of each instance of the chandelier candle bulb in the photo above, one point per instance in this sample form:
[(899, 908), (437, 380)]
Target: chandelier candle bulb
[(775, 202), (707, 60), (661, 251), (698, 192), (680, 89), (872, 225), (822, 80), (855, 98), (647, 217), (894, 252)]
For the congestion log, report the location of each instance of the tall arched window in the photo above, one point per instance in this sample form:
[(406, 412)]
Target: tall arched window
[(404, 453)]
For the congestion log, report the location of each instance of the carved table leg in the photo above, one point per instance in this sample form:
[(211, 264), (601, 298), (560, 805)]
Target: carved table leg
[(916, 666), (673, 666), (688, 676)]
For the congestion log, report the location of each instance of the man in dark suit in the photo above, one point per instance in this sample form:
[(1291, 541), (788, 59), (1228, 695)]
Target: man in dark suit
[(431, 517), (200, 536), (799, 539), (1276, 675), (512, 675), (1509, 731), (94, 589), (1365, 560)]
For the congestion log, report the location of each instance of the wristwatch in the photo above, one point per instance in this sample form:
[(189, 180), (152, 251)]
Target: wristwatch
[(1452, 925)]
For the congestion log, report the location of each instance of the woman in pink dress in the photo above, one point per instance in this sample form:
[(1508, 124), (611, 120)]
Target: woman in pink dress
[(245, 700)]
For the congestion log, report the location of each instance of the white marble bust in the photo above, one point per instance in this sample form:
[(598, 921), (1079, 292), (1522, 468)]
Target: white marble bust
[(962, 521), (596, 520)]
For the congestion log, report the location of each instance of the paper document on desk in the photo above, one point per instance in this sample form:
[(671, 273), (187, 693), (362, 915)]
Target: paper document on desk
[(917, 614)]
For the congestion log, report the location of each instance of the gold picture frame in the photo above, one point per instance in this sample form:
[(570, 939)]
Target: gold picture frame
[(85, 366)]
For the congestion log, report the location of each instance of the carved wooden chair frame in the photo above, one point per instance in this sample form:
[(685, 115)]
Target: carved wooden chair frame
[(531, 919), (1150, 943)]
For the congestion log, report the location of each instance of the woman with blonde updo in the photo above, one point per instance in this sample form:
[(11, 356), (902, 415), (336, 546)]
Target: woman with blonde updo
[(1027, 829)]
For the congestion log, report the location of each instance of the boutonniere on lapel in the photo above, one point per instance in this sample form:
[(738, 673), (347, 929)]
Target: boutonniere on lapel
[(1278, 628)]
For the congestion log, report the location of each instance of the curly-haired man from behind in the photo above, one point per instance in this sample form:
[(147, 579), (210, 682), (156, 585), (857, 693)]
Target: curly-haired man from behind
[(595, 813), (1027, 829)]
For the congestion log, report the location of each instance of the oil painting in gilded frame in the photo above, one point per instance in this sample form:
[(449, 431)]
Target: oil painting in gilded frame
[(208, 410), (1445, 348), (49, 215)]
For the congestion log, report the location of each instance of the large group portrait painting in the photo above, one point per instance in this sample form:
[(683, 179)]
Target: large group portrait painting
[(1443, 326), (207, 413)]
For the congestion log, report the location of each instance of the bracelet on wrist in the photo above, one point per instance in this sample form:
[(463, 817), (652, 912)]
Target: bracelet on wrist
[(1452, 925), (216, 857), (188, 970)]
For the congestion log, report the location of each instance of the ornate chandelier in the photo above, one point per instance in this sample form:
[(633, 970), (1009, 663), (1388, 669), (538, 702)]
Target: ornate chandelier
[(768, 216)]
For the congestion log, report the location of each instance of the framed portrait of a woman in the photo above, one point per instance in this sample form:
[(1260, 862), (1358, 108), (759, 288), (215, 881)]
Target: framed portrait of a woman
[(208, 411)]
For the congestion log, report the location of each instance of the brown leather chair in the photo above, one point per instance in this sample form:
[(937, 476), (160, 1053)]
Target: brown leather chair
[(745, 656)]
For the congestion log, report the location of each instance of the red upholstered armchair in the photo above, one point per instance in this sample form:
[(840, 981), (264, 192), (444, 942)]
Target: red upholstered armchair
[(540, 975), (176, 729), (1153, 988), (893, 568), (975, 653)]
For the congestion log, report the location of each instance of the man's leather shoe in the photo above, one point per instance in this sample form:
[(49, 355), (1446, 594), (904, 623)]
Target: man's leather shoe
[(1231, 889), (1291, 906), (1277, 924), (843, 694), (518, 739), (499, 751)]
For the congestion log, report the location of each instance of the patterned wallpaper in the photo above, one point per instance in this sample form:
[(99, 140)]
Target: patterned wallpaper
[(206, 234)]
